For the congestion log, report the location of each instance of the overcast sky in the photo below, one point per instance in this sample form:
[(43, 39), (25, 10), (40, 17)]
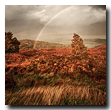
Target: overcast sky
[(27, 21)]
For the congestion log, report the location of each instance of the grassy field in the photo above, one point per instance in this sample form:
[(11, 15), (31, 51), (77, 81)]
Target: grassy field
[(55, 77)]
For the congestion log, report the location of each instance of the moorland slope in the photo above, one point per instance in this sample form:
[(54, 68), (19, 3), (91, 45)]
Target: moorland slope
[(55, 77)]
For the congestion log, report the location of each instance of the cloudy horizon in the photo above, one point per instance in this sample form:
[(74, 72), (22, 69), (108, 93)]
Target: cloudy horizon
[(27, 21)]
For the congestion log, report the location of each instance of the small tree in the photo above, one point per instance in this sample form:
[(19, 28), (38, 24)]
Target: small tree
[(11, 44), (78, 48)]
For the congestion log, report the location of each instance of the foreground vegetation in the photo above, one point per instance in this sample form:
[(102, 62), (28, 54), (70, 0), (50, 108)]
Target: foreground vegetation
[(56, 77)]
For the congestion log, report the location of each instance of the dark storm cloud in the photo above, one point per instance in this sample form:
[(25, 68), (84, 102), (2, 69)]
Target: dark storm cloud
[(22, 14), (19, 25), (30, 18), (19, 19), (103, 7), (20, 11), (27, 21)]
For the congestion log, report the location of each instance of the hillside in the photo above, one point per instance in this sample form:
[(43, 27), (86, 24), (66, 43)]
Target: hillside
[(98, 28), (97, 40), (55, 77), (28, 44)]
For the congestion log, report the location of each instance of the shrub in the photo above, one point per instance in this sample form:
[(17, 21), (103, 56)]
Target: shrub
[(78, 48), (11, 44)]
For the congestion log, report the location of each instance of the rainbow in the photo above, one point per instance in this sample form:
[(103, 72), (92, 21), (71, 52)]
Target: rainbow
[(48, 23)]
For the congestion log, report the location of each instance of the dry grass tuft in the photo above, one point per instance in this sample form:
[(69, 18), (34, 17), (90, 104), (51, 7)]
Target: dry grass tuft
[(57, 95)]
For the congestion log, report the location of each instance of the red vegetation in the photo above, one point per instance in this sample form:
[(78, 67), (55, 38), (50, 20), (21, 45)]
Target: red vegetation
[(57, 61), (58, 83)]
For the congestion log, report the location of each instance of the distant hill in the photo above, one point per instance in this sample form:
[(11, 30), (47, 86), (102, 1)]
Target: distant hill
[(28, 44), (98, 28), (97, 40)]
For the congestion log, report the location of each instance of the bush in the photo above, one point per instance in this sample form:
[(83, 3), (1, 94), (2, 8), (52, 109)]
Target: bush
[(78, 48), (11, 44)]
